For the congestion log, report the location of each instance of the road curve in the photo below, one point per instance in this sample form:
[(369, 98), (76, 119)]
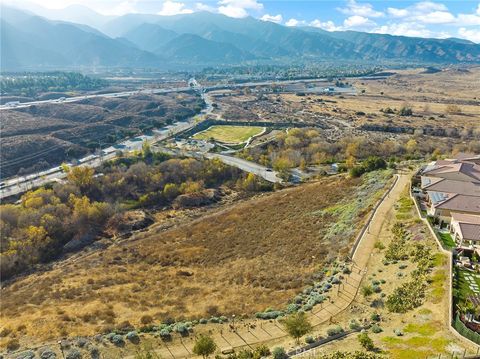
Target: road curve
[(247, 166)]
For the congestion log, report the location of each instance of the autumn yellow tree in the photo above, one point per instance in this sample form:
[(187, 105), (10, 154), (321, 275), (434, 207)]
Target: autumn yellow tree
[(411, 145), (81, 176)]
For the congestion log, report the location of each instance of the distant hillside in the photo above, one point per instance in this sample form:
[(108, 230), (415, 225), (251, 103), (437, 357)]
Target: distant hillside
[(202, 39), (195, 49), (34, 42), (149, 37)]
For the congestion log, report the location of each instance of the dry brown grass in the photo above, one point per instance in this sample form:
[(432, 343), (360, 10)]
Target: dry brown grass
[(242, 259), (444, 100)]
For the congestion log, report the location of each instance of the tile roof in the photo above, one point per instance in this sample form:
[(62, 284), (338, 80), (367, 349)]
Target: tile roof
[(452, 186), (469, 169), (461, 203), (427, 181), (470, 231), (466, 218)]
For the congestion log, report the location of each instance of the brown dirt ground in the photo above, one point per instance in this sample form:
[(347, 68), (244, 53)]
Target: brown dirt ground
[(242, 259)]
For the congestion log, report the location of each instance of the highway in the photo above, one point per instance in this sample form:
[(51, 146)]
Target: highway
[(20, 184), (64, 100)]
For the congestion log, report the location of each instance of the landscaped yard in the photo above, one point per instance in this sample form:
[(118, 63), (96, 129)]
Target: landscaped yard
[(465, 284), (229, 134), (446, 239)]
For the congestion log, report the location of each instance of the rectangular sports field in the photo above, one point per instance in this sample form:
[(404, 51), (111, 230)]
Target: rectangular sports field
[(229, 134)]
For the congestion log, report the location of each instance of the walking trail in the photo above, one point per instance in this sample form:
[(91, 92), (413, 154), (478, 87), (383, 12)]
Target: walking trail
[(251, 333)]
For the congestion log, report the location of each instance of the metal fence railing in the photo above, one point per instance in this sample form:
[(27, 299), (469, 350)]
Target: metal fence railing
[(465, 331)]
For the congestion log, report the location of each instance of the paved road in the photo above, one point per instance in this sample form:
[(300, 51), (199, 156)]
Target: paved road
[(247, 166), (20, 184), (157, 91)]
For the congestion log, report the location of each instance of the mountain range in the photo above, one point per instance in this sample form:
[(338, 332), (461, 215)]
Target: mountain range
[(33, 42)]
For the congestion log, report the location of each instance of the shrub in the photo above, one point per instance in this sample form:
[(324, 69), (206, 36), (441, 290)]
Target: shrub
[(376, 289), (29, 354), (365, 341), (279, 353), (214, 320), (334, 330), (356, 171), (309, 340), (269, 314), (13, 344), (398, 332), (406, 297), (367, 290), (379, 245), (73, 354), (261, 351), (133, 337), (117, 340), (377, 303), (405, 111), (375, 317), (292, 308), (125, 327), (165, 334), (146, 319), (182, 329), (147, 328), (376, 329), (204, 346), (47, 353), (354, 325), (297, 325), (203, 321), (94, 353)]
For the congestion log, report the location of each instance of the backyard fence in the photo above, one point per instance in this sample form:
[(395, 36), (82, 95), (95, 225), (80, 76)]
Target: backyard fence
[(465, 331)]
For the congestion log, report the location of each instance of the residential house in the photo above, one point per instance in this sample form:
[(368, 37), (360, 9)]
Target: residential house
[(465, 229), (451, 194)]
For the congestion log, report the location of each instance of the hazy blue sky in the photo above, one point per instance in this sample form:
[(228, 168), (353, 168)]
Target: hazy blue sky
[(460, 18)]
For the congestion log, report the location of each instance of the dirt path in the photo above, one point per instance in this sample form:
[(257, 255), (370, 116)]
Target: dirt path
[(251, 333)]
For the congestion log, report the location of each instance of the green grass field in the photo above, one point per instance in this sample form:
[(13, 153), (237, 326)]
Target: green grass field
[(229, 134), (447, 239)]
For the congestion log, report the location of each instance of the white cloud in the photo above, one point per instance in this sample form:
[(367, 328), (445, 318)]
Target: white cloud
[(125, 7), (238, 8), (204, 7), (170, 7), (327, 25), (295, 22), (438, 17), (397, 12), (365, 10), (404, 29), (472, 35), (427, 6), (429, 12), (357, 21), (272, 18)]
